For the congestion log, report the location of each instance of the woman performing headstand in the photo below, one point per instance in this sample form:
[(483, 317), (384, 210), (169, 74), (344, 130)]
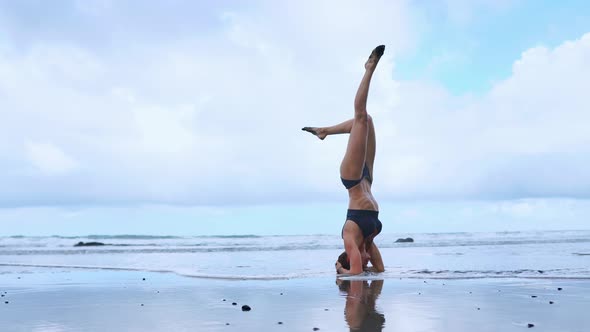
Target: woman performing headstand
[(362, 222)]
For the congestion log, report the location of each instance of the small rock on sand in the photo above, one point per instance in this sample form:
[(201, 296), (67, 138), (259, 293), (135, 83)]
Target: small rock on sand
[(280, 323), (530, 325), (550, 302), (316, 328), (5, 302), (533, 296), (233, 303), (246, 308), (559, 288)]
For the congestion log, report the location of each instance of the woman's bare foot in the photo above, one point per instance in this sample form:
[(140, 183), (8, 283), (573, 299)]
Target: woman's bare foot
[(373, 60), (319, 132)]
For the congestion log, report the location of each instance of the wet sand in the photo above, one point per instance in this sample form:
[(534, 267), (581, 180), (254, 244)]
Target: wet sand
[(56, 300)]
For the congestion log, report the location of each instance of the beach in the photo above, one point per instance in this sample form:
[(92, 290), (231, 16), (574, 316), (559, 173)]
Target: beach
[(440, 282), (95, 300)]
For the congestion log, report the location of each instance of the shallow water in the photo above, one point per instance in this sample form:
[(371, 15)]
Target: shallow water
[(98, 300)]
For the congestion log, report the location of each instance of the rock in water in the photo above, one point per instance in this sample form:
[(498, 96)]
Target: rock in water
[(246, 308), (406, 240), (88, 244)]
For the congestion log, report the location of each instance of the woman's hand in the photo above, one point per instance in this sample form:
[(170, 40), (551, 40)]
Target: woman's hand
[(340, 269)]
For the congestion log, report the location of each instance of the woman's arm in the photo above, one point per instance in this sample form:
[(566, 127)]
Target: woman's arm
[(376, 259)]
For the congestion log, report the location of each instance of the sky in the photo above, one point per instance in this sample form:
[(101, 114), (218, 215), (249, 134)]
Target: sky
[(184, 117)]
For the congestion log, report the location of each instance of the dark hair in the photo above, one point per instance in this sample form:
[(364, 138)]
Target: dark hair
[(343, 260)]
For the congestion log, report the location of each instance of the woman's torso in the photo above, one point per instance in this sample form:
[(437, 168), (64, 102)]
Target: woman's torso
[(361, 198)]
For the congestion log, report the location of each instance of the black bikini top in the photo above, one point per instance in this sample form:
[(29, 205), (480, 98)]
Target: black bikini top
[(351, 183)]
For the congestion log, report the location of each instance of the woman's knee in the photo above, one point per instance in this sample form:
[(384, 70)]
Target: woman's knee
[(361, 117)]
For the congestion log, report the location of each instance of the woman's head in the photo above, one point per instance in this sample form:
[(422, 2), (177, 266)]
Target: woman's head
[(343, 260)]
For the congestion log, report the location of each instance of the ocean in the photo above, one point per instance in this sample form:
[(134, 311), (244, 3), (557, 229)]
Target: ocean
[(542, 254)]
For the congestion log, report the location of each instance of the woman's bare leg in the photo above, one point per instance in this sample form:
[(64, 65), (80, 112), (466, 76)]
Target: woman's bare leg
[(371, 147), (354, 158), (344, 128), (322, 132)]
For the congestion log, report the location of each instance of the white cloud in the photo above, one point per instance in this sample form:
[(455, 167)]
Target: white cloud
[(216, 118), (526, 137), (49, 159)]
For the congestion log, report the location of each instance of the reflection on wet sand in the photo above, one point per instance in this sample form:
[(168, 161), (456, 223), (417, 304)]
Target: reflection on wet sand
[(361, 297)]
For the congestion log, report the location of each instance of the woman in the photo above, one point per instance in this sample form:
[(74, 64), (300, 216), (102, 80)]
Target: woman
[(362, 222)]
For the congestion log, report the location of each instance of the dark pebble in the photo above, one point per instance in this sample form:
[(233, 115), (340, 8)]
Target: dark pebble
[(533, 296), (143, 279), (559, 288), (18, 278), (246, 308), (226, 323), (424, 281), (223, 300), (540, 271), (6, 302), (530, 325), (469, 292), (2, 295), (316, 328), (478, 309), (233, 303), (142, 304), (326, 309), (419, 293), (281, 293), (550, 302), (280, 323)]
